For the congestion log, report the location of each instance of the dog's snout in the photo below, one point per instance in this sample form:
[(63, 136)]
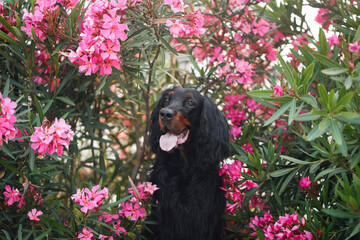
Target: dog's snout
[(167, 114)]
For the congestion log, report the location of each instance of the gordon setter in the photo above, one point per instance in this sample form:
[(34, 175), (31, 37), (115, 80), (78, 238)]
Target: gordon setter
[(190, 137)]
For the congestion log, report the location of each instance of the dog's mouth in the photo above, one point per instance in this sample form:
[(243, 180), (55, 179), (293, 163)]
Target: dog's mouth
[(169, 141)]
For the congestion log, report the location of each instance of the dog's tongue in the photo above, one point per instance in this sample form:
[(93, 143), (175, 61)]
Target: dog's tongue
[(169, 141)]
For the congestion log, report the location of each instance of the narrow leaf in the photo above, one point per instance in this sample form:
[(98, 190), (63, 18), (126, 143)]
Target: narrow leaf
[(278, 113)]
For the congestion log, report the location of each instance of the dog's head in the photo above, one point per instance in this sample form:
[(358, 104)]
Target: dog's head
[(182, 114)]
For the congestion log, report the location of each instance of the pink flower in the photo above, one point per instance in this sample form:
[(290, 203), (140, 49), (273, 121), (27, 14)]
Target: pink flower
[(134, 211), (321, 18), (52, 138), (150, 188), (247, 148), (90, 200), (333, 40), (261, 27), (119, 228), (86, 234), (176, 5), (249, 184), (236, 131), (12, 195), (34, 214), (305, 182), (7, 119), (278, 90), (354, 48)]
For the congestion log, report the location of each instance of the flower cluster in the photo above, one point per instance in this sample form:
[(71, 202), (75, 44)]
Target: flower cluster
[(51, 138), (7, 119), (134, 209), (189, 25), (287, 227), (99, 47), (9, 18), (236, 186), (12, 195), (44, 19), (90, 199)]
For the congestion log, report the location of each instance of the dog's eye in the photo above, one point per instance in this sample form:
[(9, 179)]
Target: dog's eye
[(190, 103), (166, 100)]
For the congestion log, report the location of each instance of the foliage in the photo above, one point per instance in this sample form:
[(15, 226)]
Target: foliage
[(79, 79)]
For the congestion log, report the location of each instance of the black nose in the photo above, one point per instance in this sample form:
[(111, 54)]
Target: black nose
[(167, 114)]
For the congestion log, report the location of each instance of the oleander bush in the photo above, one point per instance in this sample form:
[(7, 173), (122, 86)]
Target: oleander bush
[(78, 81)]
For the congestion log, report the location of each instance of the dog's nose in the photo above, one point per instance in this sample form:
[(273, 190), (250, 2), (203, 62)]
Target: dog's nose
[(167, 114)]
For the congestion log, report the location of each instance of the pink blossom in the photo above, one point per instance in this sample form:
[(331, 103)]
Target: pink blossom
[(119, 228), (278, 90), (7, 120), (99, 46), (12, 195), (51, 138), (108, 217), (132, 210), (150, 188), (321, 18), (34, 214), (261, 27), (354, 48), (247, 148), (176, 5), (305, 182), (249, 184), (86, 234), (333, 40), (236, 131), (90, 199)]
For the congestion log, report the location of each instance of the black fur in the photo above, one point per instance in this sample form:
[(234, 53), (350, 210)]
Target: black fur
[(189, 203)]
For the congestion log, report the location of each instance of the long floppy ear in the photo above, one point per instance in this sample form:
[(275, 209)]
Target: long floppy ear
[(212, 138), (155, 131)]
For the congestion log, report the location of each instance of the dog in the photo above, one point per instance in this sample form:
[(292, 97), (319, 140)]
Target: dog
[(190, 138)]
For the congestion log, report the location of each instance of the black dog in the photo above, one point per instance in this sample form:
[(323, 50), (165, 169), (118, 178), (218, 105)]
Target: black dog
[(190, 138)]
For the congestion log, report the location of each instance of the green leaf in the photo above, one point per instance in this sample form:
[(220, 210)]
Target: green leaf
[(6, 150), (306, 117), (294, 160), (315, 133), (196, 66), (286, 182), (336, 133), (334, 71), (338, 137), (357, 34), (324, 124), (306, 76), (32, 160), (261, 93), (168, 46), (66, 100), (342, 102), (323, 94), (44, 234), (6, 37), (339, 213), (287, 72), (6, 89), (39, 109), (356, 229), (326, 61), (281, 172), (323, 45), (6, 234), (292, 111), (278, 113), (349, 117)]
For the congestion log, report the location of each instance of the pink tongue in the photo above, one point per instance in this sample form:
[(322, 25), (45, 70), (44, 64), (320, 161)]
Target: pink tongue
[(169, 141)]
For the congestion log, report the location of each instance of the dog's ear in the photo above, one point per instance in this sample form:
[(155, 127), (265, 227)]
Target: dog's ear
[(212, 138)]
